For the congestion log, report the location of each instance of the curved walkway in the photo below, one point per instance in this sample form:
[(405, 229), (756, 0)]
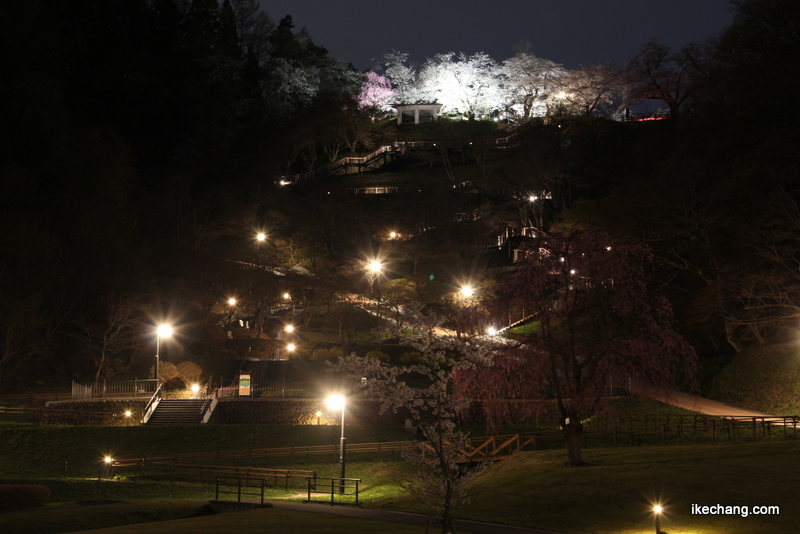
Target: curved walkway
[(699, 404), (475, 527)]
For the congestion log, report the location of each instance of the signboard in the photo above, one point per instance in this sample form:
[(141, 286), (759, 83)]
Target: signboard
[(244, 384)]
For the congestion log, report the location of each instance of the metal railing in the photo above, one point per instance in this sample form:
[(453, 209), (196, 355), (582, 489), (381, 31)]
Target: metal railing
[(114, 389), (238, 485), (343, 487), (151, 404)]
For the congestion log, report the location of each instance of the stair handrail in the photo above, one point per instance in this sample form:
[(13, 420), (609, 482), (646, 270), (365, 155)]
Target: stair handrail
[(151, 404), (205, 393)]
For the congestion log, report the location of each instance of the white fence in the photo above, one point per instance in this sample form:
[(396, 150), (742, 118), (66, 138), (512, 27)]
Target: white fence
[(108, 389)]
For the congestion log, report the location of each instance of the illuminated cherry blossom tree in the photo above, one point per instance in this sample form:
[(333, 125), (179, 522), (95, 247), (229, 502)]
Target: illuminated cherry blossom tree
[(441, 473), (395, 67), (530, 84), (593, 320), (377, 94), (590, 90), (464, 85)]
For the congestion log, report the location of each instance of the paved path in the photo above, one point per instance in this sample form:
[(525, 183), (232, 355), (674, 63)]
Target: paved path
[(475, 527), (699, 404)]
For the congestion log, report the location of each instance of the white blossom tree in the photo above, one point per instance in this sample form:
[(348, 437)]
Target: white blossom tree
[(441, 470), (530, 85), (464, 85), (395, 67)]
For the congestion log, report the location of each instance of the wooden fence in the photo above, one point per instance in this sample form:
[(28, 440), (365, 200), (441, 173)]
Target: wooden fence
[(625, 431), (55, 416), (33, 399)]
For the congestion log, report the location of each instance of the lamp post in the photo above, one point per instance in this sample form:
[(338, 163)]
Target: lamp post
[(336, 402), (657, 511), (287, 297), (162, 331), (374, 270)]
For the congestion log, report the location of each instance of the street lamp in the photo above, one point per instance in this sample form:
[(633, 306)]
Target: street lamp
[(658, 510), (261, 237), (287, 297), (162, 331), (467, 291), (336, 402)]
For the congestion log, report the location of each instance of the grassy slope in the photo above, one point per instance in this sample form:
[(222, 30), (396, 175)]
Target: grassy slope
[(27, 452), (765, 379)]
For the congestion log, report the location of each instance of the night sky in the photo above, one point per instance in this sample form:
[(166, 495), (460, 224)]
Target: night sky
[(570, 32)]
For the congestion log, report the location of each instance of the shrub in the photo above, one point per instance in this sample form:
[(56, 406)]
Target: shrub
[(327, 355), (411, 358), (21, 496), (381, 356)]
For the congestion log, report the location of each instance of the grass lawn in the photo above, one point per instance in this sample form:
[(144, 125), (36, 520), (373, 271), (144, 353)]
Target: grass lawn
[(271, 520), (616, 493), (68, 517), (613, 495)]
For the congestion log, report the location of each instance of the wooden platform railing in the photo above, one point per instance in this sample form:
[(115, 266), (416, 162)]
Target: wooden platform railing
[(143, 465)]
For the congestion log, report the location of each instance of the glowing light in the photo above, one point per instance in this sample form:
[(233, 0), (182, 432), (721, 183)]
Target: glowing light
[(335, 402), (572, 271), (289, 328), (287, 296), (108, 459), (232, 301), (290, 347), (319, 414), (195, 388), (164, 330), (127, 413), (467, 291), (533, 198), (657, 509), (375, 266), (261, 236), (393, 235), (492, 331)]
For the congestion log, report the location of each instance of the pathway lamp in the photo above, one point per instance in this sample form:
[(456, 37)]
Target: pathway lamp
[(107, 461), (337, 402)]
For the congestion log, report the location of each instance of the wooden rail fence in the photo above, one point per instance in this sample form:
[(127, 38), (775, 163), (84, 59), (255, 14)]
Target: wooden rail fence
[(603, 432)]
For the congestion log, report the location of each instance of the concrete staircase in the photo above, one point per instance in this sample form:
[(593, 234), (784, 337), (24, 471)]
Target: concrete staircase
[(177, 412)]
